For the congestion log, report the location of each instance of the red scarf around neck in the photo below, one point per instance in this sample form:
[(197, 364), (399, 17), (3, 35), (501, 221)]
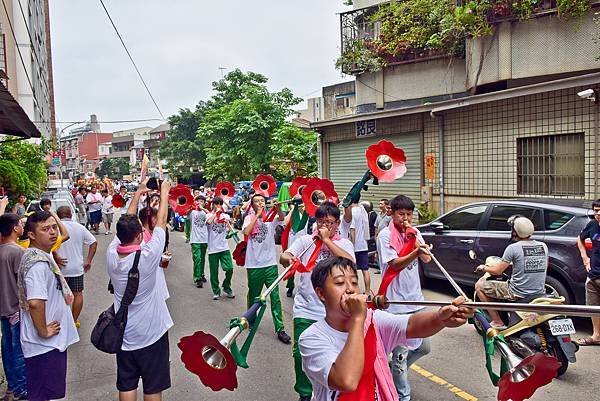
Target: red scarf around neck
[(402, 246)]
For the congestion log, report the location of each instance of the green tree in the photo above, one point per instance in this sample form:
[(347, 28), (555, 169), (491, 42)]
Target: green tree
[(23, 167), (294, 152), (113, 168), (182, 148), (239, 126)]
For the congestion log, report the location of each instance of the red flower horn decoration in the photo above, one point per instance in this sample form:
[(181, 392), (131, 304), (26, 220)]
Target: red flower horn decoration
[(181, 199), (533, 372), (386, 161), (225, 189), (298, 185), (264, 185), (118, 200), (196, 353), (317, 191)]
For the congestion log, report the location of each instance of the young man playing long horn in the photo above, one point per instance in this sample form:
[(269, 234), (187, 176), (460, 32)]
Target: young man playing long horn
[(356, 221), (400, 246), (345, 353), (307, 306), (198, 238), (261, 259), (145, 350), (218, 249)]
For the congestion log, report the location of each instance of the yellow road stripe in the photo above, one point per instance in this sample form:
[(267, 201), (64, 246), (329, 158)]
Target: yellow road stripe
[(438, 380)]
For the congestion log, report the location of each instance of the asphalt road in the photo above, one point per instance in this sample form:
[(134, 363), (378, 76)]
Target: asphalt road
[(453, 371)]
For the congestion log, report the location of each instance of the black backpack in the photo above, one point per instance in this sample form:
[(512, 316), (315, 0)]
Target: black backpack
[(107, 335)]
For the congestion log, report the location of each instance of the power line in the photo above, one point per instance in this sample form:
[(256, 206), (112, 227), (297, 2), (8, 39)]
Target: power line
[(130, 58), (20, 56), (107, 122)]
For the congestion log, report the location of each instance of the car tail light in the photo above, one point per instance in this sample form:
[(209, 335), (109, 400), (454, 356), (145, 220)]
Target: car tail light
[(588, 244)]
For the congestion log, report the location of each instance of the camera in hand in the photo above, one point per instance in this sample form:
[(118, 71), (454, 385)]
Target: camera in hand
[(154, 183)]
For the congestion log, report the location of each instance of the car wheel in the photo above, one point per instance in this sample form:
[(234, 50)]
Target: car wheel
[(557, 288)]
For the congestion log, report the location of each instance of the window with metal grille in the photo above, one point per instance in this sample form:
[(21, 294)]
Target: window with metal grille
[(551, 165)]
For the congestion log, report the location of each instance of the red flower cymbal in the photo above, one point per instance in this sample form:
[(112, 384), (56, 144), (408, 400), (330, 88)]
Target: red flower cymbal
[(386, 161), (118, 200), (181, 199), (539, 370), (225, 189), (298, 185), (265, 185), (196, 349), (317, 191)]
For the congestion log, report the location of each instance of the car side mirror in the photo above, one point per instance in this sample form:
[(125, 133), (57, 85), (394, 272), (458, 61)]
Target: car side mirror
[(437, 227)]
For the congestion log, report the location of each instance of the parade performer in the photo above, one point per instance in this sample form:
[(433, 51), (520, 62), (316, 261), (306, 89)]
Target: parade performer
[(218, 249), (296, 225), (94, 202), (399, 254), (356, 223), (145, 350), (345, 353), (261, 259), (198, 238), (307, 306)]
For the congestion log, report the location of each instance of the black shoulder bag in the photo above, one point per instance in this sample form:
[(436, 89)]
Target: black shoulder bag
[(107, 334)]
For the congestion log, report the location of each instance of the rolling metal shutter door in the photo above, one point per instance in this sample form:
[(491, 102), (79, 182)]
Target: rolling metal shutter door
[(347, 164)]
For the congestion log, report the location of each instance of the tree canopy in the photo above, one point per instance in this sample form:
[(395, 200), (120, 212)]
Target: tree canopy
[(23, 167), (113, 168)]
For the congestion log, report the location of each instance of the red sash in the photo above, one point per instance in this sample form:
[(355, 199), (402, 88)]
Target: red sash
[(402, 249), (298, 266), (366, 387)]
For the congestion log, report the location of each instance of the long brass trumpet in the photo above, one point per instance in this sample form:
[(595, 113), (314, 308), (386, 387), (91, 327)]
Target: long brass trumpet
[(381, 302)]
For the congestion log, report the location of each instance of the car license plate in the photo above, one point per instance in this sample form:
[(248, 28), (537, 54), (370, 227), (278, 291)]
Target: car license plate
[(559, 327)]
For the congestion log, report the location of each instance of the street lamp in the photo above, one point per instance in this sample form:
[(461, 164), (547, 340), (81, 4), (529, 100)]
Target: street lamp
[(60, 150)]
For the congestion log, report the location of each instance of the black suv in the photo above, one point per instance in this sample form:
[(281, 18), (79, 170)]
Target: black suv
[(482, 227)]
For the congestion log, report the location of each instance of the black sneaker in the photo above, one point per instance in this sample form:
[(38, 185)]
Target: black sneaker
[(305, 398), (203, 279), (290, 292), (283, 337), (199, 283)]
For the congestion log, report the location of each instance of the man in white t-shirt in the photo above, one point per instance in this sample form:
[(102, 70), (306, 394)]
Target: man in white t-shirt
[(145, 350), (72, 251), (400, 269), (307, 306), (334, 349), (80, 205), (47, 326), (126, 198), (296, 230), (219, 225), (94, 202), (356, 216), (261, 260), (198, 239), (108, 211)]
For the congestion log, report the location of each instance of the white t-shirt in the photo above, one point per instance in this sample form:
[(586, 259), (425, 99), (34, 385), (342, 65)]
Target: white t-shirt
[(107, 206), (73, 248), (199, 232), (148, 317), (360, 224), (294, 236), (306, 303), (93, 207), (261, 247), (407, 285), (217, 234), (321, 344), (41, 283), (127, 202)]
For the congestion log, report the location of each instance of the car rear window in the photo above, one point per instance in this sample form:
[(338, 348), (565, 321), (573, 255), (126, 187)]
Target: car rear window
[(498, 220), (554, 220)]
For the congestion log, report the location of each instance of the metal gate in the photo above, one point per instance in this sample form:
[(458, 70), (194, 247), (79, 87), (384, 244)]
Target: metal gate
[(347, 164)]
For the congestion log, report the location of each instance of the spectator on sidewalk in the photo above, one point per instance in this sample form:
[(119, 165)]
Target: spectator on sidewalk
[(80, 205), (72, 251), (12, 355), (47, 327), (20, 207)]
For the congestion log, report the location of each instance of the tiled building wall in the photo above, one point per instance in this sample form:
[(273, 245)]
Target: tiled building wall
[(481, 143)]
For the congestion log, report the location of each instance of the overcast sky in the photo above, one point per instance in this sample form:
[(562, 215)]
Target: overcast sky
[(179, 46)]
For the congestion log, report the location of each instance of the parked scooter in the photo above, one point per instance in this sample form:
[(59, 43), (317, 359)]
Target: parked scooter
[(528, 332)]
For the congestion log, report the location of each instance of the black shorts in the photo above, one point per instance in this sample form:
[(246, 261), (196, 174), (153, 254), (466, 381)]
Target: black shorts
[(95, 216), (362, 260), (47, 375), (75, 283), (150, 363)]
